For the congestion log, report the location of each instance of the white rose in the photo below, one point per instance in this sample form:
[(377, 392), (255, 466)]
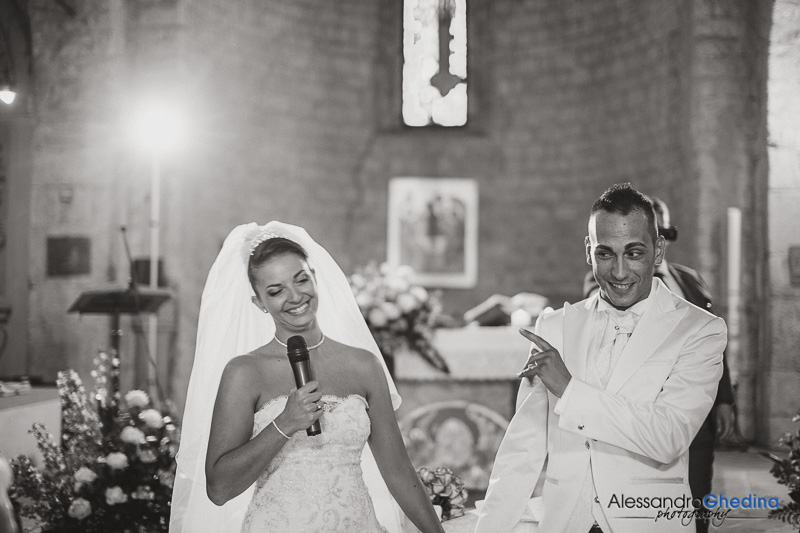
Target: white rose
[(152, 417), (363, 300), (407, 302), (391, 311), (147, 456), (377, 318), (143, 492), (419, 293), (85, 475), (137, 398), (115, 495), (117, 460), (398, 284), (79, 508), (132, 435), (357, 280), (405, 271), (166, 478)]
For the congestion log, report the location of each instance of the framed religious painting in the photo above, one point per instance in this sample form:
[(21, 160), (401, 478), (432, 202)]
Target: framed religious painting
[(433, 228)]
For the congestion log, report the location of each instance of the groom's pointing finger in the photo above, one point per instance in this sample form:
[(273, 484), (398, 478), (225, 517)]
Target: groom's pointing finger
[(536, 339)]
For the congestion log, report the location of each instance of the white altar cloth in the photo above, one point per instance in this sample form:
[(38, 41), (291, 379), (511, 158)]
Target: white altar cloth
[(17, 415)]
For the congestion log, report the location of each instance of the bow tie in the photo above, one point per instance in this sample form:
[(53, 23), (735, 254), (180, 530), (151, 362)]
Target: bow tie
[(622, 321)]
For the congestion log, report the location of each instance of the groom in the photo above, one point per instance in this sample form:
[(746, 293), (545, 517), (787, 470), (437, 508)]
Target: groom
[(617, 387)]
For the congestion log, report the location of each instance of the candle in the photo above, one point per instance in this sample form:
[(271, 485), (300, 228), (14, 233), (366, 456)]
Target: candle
[(734, 287)]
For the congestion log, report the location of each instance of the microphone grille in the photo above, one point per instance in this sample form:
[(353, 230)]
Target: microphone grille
[(297, 348), (296, 342)]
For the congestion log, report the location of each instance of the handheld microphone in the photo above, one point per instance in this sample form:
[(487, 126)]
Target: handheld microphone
[(297, 350)]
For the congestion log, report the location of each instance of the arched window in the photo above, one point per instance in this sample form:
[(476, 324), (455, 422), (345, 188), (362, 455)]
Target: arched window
[(435, 62)]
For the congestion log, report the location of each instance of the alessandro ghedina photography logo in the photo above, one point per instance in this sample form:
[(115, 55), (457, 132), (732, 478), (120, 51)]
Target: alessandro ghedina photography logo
[(713, 507)]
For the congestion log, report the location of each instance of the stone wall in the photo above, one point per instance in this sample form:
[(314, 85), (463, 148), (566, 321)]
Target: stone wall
[(779, 353), (16, 127), (293, 114), (75, 173)]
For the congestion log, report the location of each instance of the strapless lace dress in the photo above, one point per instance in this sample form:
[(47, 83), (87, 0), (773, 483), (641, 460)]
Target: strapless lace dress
[(315, 484)]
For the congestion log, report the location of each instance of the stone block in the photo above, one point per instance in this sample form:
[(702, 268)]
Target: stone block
[(784, 218), (783, 392), (784, 166), (785, 320)]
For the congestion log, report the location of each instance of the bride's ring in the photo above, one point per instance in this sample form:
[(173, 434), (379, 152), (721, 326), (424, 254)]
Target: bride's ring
[(319, 406)]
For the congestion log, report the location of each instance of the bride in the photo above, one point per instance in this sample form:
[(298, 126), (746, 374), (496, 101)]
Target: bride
[(245, 461)]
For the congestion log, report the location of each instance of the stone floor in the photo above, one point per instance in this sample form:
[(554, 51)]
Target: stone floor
[(736, 474), (739, 473)]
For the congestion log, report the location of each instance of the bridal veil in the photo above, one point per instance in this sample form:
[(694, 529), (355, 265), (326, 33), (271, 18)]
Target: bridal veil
[(230, 325)]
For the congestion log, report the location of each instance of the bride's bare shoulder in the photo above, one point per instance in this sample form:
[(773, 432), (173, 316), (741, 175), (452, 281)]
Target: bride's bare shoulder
[(358, 360), (358, 355)]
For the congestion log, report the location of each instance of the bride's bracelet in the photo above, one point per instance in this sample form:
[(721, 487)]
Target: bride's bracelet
[(287, 437)]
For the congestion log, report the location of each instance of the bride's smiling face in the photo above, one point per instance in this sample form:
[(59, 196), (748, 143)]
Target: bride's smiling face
[(287, 289)]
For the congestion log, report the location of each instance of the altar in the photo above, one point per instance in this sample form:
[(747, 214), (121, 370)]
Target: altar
[(17, 415), (458, 420)]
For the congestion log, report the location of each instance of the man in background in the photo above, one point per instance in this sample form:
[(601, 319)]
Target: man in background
[(688, 284)]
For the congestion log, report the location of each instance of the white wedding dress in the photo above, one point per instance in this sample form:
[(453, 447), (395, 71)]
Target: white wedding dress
[(315, 484)]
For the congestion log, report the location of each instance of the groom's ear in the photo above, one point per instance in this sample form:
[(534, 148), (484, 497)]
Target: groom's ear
[(588, 245)]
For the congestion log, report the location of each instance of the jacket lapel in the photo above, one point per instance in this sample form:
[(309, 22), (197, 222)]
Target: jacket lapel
[(653, 328), (577, 330)]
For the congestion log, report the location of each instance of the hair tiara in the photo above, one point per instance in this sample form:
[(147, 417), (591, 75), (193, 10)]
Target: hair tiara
[(263, 234)]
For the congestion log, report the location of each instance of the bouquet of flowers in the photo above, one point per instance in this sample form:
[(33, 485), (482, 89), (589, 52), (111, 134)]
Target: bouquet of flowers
[(107, 475), (446, 491), (397, 312), (787, 471)]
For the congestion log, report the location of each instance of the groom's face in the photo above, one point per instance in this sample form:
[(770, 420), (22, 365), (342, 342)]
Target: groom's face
[(623, 255)]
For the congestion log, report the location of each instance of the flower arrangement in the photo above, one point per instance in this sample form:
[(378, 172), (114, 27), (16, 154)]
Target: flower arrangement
[(446, 491), (787, 471), (112, 472), (397, 312)]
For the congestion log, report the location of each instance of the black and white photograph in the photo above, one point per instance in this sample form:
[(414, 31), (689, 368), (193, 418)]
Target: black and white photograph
[(399, 266)]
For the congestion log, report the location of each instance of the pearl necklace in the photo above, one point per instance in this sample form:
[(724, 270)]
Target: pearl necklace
[(310, 347)]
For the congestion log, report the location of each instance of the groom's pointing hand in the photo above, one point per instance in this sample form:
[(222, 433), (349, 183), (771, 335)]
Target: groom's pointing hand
[(547, 364)]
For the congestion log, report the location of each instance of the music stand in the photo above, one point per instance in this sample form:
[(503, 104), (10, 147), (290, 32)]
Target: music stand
[(116, 301)]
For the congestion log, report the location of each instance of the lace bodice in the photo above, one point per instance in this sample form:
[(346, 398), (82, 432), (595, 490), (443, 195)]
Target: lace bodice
[(315, 484)]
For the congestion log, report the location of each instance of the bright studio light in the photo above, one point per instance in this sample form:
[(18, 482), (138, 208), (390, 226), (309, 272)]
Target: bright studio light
[(7, 95), (158, 127)]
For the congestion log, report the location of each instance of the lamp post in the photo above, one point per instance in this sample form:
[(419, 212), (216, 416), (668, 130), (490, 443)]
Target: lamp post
[(155, 231), (158, 130), (7, 93)]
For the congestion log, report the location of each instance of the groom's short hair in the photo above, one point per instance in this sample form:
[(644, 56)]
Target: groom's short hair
[(623, 199)]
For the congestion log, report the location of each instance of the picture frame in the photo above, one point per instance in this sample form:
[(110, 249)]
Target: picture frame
[(433, 228), (68, 256)]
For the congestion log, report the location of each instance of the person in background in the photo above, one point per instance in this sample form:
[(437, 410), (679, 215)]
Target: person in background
[(688, 284)]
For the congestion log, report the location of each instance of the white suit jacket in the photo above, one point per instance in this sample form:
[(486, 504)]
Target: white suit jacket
[(636, 432)]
